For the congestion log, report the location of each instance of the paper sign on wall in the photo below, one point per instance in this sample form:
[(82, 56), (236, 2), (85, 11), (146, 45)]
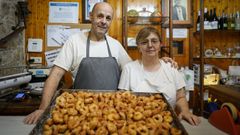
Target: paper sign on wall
[(178, 33), (57, 35), (63, 12), (34, 45), (51, 56)]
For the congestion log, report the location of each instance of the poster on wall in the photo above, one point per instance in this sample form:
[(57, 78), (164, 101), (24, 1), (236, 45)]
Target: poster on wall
[(51, 56), (63, 12), (57, 35)]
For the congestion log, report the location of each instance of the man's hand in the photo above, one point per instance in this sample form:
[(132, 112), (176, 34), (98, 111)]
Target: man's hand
[(190, 118), (33, 117), (173, 63)]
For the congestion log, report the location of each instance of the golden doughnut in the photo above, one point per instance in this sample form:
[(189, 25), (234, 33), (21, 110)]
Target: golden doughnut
[(55, 130), (139, 109), (122, 115), (64, 111), (158, 118), (175, 131), (47, 127), (61, 101), (72, 111), (69, 105), (47, 130), (153, 129), (73, 122), (93, 108), (84, 110), (120, 123), (76, 131), (158, 96), (93, 123), (65, 118), (49, 121), (147, 113), (102, 131), (61, 128), (132, 129), (79, 104), (143, 130), (113, 116), (168, 119), (166, 125), (115, 133), (88, 100), (137, 116), (111, 127), (57, 117), (70, 98)]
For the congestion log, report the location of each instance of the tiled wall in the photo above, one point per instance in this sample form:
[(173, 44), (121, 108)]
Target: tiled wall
[(12, 53)]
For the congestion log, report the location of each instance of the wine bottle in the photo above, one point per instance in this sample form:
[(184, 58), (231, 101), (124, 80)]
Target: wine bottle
[(237, 21), (198, 20), (233, 22), (229, 22), (225, 20), (214, 20), (220, 23), (206, 19)]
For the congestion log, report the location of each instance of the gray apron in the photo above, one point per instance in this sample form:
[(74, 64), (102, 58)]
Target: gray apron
[(100, 73)]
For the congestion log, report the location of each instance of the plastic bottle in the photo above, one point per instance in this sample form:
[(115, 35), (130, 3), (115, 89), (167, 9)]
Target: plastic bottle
[(189, 79)]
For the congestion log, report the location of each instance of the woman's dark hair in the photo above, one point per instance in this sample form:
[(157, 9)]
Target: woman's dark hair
[(145, 32)]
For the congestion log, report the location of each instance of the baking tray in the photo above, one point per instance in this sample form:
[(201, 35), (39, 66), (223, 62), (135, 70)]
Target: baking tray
[(38, 129)]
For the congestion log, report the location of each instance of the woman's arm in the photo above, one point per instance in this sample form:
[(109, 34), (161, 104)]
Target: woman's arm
[(183, 109)]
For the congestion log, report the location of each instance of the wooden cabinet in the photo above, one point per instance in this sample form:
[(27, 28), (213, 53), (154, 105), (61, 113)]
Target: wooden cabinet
[(215, 47), (143, 16)]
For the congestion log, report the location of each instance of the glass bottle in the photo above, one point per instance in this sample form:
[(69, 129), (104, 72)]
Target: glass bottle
[(215, 20), (198, 20), (225, 21), (237, 21), (229, 22), (233, 22), (206, 19), (220, 24)]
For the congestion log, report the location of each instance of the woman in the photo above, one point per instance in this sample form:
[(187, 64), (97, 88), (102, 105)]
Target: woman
[(153, 75)]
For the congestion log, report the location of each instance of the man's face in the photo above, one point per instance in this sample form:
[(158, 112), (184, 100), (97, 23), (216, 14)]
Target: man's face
[(101, 19), (178, 2)]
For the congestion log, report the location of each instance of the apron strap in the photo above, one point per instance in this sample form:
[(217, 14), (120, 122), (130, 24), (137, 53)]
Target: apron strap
[(88, 46)]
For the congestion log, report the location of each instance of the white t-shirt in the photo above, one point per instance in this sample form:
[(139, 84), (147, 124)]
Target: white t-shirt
[(166, 80), (74, 50)]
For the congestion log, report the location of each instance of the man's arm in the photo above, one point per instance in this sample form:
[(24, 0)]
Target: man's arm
[(50, 87)]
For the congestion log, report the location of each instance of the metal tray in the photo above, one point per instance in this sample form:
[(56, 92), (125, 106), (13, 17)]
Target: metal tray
[(38, 129)]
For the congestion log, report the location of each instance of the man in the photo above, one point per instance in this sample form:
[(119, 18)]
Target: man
[(92, 57), (179, 11)]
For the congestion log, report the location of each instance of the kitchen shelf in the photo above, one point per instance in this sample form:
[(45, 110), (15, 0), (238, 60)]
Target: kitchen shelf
[(217, 31), (143, 20)]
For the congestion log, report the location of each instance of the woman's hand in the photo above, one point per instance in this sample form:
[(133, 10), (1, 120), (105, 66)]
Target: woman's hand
[(190, 118), (33, 117), (173, 63)]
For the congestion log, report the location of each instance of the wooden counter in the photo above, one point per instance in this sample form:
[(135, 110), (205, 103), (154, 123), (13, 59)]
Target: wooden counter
[(225, 93), (23, 107)]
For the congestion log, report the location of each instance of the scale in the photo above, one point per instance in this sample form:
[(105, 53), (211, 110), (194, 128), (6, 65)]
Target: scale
[(9, 85)]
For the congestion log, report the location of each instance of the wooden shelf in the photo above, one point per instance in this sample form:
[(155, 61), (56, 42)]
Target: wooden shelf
[(217, 31), (143, 20), (195, 58)]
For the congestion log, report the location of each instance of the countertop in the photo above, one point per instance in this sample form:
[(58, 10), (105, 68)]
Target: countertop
[(13, 125)]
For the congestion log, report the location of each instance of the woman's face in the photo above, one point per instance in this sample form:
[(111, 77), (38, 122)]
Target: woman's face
[(150, 46)]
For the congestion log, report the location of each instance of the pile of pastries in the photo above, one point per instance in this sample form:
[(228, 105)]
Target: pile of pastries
[(116, 113)]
